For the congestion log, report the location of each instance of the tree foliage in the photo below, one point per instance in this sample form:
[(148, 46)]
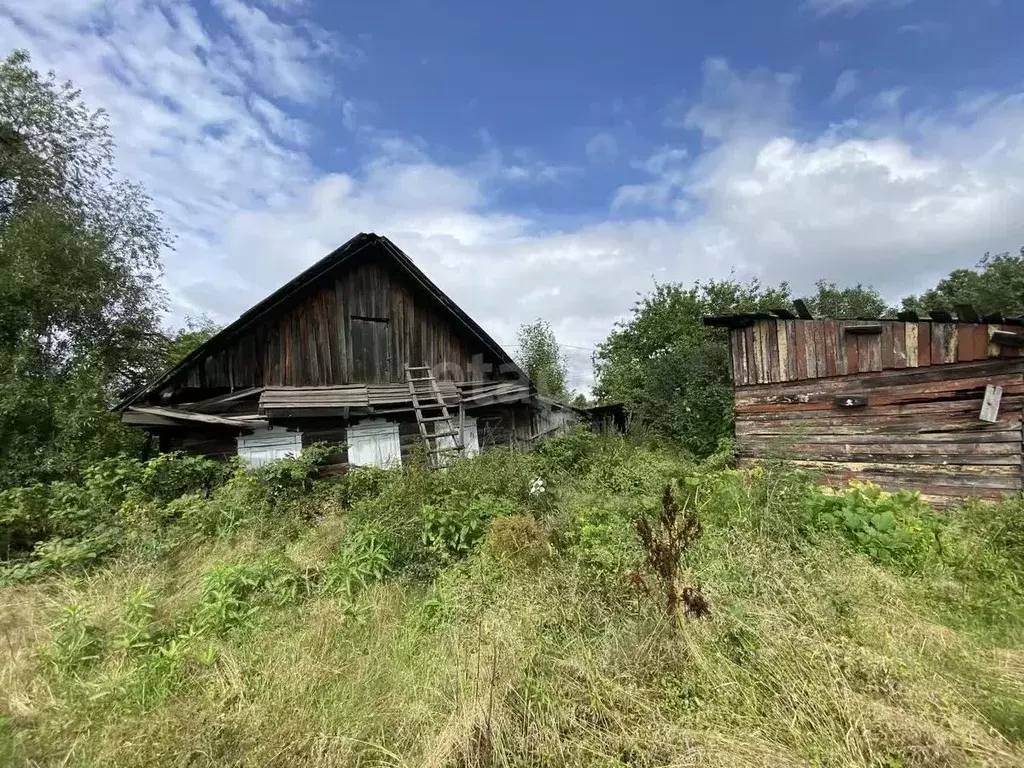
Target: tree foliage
[(853, 301), (995, 286), (542, 359), (80, 298), (670, 370), (196, 331)]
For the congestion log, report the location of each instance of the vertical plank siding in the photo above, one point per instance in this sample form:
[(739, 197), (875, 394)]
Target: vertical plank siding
[(314, 341), (777, 351)]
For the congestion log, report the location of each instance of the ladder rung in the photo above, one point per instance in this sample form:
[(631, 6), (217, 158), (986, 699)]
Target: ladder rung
[(431, 435), (436, 418), (420, 378), (417, 367)]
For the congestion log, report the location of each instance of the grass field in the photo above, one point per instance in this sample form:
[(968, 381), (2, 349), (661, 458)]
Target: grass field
[(179, 616)]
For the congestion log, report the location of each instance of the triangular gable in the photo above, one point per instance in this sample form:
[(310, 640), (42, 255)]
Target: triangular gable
[(293, 289)]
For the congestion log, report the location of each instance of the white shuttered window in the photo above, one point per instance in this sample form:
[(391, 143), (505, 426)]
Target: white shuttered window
[(374, 443), (266, 445)]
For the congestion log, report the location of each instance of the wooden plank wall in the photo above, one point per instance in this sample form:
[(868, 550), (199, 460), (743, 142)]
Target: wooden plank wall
[(310, 342), (777, 351), (920, 428)]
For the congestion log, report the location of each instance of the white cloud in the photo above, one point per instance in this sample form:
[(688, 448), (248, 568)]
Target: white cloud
[(602, 148), (846, 85), (896, 203), (896, 200), (731, 104), (849, 7)]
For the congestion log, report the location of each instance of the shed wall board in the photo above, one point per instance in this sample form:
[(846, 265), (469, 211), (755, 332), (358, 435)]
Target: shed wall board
[(921, 428)]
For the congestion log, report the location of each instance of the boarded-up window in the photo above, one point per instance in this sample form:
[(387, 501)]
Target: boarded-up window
[(266, 445), (373, 443), (371, 349)]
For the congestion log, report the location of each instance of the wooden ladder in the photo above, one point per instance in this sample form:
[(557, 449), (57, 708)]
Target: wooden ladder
[(426, 396)]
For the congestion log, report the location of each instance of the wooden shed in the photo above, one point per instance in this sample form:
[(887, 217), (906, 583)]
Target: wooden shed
[(930, 404), (363, 349)]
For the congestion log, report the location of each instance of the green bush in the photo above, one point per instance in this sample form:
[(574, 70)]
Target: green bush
[(233, 593), (453, 529), (570, 453), (171, 475), (363, 483), (892, 528)]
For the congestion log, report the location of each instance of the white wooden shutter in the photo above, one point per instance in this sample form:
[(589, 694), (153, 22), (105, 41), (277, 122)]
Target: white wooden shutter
[(266, 445), (374, 443), (470, 436)]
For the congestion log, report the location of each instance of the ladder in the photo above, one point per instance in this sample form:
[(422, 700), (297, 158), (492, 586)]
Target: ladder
[(437, 424)]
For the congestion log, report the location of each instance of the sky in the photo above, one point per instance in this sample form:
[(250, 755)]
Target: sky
[(556, 160)]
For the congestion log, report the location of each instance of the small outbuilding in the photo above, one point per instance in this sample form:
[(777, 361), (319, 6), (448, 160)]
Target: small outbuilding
[(931, 404), (361, 349)]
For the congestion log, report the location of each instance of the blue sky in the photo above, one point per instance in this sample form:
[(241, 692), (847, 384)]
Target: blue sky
[(555, 159)]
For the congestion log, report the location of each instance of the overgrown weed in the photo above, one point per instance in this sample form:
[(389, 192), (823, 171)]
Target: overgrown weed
[(486, 615)]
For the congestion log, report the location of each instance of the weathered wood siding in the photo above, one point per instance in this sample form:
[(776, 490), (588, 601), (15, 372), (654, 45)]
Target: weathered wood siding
[(364, 326), (778, 351), (919, 430)]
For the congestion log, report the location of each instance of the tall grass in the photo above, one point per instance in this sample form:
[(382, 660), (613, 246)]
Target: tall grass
[(349, 634)]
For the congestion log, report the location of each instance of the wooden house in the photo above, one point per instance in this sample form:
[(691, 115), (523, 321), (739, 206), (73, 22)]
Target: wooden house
[(361, 349), (930, 404)]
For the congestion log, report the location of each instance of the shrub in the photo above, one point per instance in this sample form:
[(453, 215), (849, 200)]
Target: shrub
[(363, 483), (452, 530), (289, 479), (571, 452), (893, 528), (170, 475), (232, 593)]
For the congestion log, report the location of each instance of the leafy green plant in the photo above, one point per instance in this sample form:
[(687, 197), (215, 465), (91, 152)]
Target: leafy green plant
[(136, 622), (452, 530), (571, 452), (233, 593), (74, 642), (362, 483), (891, 528), (362, 561), (599, 537), (170, 475)]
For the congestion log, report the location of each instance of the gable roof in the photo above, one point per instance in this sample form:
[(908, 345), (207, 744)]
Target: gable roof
[(335, 259)]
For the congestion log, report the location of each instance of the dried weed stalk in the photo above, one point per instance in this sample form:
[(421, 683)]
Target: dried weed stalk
[(675, 530)]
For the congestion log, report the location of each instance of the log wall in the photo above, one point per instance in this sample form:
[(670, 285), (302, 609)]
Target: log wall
[(920, 428)]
